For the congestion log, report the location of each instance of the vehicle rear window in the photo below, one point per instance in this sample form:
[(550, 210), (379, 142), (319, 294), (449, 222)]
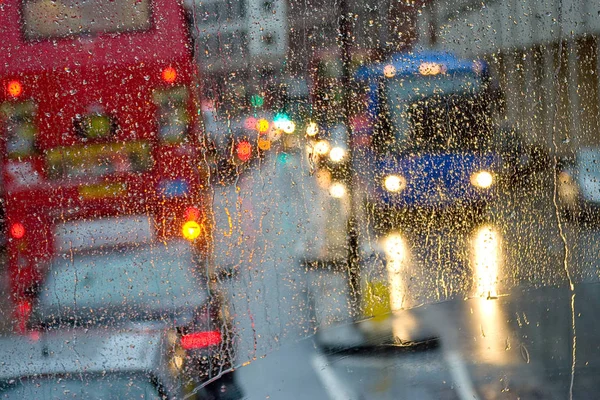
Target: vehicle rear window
[(154, 276), (43, 19)]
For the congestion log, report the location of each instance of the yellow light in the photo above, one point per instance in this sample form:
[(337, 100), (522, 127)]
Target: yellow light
[(486, 259), (289, 126), (482, 179), (394, 183), (191, 230), (262, 125), (312, 129), (337, 154), (337, 190), (389, 71), (322, 147)]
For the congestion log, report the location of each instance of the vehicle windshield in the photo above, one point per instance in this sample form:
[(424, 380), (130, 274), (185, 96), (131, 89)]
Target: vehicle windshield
[(306, 199), (108, 386), (447, 112), (45, 19)]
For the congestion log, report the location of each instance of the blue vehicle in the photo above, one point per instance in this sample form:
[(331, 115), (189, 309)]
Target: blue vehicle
[(426, 138)]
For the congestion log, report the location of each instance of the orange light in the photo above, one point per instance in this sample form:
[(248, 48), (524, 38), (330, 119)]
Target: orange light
[(169, 74), (14, 88), (262, 125), (17, 230), (199, 340), (190, 230), (264, 144), (192, 214), (244, 151)]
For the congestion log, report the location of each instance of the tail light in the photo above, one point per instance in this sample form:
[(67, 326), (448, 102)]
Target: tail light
[(244, 150), (17, 230), (199, 340)]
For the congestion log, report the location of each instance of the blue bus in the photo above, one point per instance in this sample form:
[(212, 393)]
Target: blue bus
[(426, 140)]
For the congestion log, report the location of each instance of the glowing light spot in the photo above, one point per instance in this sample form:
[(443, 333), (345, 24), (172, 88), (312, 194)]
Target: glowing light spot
[(14, 88), (191, 230), (17, 230), (169, 74)]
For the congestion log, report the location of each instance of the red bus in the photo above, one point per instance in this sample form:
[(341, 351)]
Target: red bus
[(98, 118)]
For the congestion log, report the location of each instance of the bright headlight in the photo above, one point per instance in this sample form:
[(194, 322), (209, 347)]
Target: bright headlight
[(322, 147), (482, 179), (394, 183), (337, 154), (337, 190)]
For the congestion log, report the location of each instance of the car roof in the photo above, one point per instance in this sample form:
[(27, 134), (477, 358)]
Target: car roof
[(81, 351)]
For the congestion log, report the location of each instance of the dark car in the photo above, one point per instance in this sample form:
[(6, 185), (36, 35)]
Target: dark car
[(153, 285)]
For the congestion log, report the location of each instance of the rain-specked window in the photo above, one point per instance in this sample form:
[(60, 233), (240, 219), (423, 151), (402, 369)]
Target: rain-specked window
[(287, 199)]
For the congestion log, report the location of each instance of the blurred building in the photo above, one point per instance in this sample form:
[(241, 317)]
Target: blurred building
[(545, 55), (237, 40)]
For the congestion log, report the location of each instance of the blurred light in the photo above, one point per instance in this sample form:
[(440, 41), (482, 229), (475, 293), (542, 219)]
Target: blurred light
[(178, 362), (389, 71), (283, 158), (191, 230), (262, 125), (323, 177), (169, 74), (337, 190), (199, 340), (337, 154), (486, 259), (568, 191), (322, 147), (250, 123), (482, 179), (257, 100), (289, 127), (394, 183), (312, 129), (17, 230), (192, 214), (244, 151), (14, 88), (264, 144), (394, 247), (431, 68)]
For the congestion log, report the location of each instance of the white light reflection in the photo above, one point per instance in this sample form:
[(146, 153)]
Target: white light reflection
[(396, 253), (487, 260)]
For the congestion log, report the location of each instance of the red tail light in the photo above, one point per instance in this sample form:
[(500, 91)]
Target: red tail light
[(199, 340), (17, 230), (244, 151), (192, 214)]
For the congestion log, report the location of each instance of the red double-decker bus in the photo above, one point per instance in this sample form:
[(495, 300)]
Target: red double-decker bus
[(97, 119)]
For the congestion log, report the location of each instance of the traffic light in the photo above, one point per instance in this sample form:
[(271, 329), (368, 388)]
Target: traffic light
[(257, 100)]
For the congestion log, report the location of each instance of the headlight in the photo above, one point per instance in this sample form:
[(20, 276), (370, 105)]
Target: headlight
[(322, 147), (337, 190), (312, 129), (394, 183), (337, 154), (482, 179)]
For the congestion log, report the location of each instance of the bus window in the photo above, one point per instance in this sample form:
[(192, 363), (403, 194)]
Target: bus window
[(95, 126), (173, 117), (20, 129), (44, 19)]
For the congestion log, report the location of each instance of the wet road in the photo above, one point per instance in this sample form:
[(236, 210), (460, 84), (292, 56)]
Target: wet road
[(276, 217)]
